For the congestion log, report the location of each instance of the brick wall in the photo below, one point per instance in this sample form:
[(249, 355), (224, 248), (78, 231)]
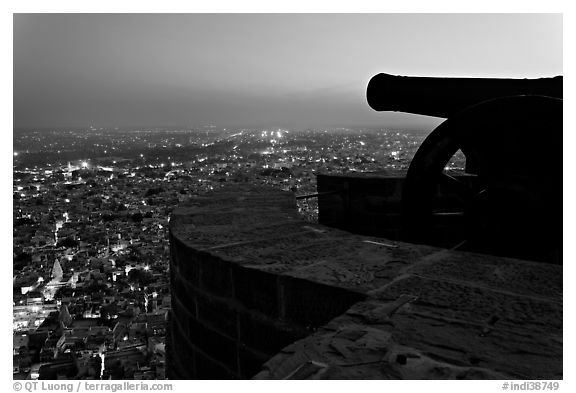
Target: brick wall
[(227, 320)]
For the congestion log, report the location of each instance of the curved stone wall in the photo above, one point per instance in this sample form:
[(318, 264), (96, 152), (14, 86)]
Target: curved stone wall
[(256, 291), (229, 316)]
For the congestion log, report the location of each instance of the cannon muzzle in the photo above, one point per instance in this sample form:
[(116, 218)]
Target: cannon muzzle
[(443, 97)]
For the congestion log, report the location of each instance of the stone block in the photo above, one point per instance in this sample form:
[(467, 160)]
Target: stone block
[(220, 347), (257, 290), (183, 299), (208, 368), (218, 315), (312, 304), (186, 260), (474, 303), (215, 275), (265, 335)]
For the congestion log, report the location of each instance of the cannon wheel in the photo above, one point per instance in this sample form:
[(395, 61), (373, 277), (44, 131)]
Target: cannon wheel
[(511, 195)]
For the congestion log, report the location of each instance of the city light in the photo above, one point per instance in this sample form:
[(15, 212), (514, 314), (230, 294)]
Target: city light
[(114, 219)]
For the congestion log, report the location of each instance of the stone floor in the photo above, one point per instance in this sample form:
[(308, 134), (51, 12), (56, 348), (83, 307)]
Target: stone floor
[(428, 313)]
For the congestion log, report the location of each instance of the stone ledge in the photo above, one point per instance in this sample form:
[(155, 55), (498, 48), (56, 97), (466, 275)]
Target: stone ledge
[(413, 311)]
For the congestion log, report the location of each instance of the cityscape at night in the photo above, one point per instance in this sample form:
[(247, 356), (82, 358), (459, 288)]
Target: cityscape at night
[(91, 211), (206, 196)]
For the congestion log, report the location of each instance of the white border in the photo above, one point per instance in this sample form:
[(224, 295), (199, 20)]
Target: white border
[(358, 6)]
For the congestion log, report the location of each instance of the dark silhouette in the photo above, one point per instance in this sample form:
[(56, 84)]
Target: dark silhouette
[(444, 97), (509, 202)]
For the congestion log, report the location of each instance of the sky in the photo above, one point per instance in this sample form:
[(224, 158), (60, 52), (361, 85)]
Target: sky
[(280, 70)]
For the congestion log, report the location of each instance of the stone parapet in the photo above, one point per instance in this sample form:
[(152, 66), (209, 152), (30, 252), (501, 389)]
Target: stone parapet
[(259, 292)]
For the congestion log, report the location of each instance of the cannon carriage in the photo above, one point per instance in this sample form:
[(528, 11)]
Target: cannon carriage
[(509, 198)]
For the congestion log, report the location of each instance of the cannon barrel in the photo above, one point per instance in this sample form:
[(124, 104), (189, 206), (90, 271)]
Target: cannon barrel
[(443, 97)]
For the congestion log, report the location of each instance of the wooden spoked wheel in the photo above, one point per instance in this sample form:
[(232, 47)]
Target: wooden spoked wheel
[(509, 200)]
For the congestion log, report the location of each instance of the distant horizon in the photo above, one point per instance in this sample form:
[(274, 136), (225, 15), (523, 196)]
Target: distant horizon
[(282, 70), (217, 126)]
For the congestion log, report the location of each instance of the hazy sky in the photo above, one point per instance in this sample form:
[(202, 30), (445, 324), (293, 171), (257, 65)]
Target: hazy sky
[(285, 70)]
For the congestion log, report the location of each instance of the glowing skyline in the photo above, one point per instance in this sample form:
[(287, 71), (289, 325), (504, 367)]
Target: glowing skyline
[(285, 70)]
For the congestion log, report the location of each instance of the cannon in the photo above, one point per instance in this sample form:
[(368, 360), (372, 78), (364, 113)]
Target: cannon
[(509, 196)]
